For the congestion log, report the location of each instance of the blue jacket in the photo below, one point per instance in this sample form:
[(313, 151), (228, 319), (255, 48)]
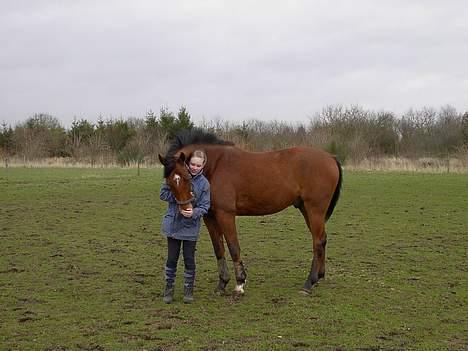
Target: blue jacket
[(174, 224)]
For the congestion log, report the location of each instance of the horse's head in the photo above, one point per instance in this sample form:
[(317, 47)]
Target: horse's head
[(178, 178)]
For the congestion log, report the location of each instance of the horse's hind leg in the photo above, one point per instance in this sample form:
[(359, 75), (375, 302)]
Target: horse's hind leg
[(315, 219), (218, 247)]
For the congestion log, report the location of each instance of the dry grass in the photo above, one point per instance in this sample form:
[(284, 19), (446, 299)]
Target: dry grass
[(63, 162), (425, 164)]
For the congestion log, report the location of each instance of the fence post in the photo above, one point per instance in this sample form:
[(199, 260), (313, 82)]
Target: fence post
[(448, 162)]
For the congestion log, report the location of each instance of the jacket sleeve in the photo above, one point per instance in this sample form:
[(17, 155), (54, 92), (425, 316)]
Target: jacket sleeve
[(203, 204), (165, 193)]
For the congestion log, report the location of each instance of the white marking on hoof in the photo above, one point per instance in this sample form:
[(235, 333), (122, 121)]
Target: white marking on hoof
[(239, 289)]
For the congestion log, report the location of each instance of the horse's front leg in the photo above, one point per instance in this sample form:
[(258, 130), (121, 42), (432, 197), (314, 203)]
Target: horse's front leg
[(218, 247), (227, 226)]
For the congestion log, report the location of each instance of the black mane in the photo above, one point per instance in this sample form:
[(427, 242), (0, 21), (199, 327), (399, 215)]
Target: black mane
[(189, 137)]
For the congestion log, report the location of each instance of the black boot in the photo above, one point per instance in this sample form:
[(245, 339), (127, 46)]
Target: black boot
[(168, 296), (188, 293)]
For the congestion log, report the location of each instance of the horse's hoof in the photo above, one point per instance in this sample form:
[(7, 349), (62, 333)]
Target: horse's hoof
[(305, 291), (237, 293), (236, 296), (219, 292)]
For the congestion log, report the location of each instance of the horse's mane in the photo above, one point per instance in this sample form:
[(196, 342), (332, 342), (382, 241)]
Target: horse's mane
[(189, 137)]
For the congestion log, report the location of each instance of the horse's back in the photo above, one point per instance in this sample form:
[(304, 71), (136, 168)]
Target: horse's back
[(295, 166), (267, 182)]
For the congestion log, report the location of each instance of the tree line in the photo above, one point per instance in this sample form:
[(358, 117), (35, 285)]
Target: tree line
[(352, 133)]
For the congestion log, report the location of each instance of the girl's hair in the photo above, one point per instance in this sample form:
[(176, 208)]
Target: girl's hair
[(199, 154)]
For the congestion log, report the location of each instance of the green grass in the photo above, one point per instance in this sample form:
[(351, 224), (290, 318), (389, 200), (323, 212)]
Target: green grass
[(81, 268)]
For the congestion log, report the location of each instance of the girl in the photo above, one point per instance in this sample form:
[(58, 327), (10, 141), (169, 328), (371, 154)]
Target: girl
[(182, 227)]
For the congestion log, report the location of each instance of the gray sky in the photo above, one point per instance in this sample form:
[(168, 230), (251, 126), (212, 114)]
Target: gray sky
[(230, 60)]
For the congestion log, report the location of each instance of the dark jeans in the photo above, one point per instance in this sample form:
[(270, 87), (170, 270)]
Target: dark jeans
[(173, 251)]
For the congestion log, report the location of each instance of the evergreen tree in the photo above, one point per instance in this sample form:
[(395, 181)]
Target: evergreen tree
[(151, 120), (81, 132), (117, 134), (6, 138), (171, 125), (183, 119)]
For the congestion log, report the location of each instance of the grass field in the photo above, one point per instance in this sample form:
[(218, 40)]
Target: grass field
[(81, 268)]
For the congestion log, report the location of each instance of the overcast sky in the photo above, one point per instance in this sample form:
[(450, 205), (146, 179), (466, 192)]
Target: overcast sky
[(230, 60)]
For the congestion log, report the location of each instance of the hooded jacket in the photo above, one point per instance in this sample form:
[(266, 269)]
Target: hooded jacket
[(174, 224)]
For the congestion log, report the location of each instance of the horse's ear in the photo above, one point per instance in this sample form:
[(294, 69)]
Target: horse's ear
[(181, 157), (162, 160)]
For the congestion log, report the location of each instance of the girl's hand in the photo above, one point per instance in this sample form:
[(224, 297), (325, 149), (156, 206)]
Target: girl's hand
[(187, 213)]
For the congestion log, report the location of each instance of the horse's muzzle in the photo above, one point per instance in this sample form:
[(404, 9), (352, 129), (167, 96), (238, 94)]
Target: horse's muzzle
[(185, 205)]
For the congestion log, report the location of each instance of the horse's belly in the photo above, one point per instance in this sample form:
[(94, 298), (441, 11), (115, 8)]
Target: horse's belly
[(248, 206)]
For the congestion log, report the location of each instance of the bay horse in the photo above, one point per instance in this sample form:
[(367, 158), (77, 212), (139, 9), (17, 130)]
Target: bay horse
[(255, 184)]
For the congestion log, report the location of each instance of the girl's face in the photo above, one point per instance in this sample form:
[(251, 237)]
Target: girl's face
[(196, 164)]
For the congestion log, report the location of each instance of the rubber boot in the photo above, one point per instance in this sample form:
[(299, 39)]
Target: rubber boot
[(188, 293), (168, 296), (189, 280)]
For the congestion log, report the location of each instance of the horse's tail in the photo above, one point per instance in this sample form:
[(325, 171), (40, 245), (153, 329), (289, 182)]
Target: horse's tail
[(336, 194)]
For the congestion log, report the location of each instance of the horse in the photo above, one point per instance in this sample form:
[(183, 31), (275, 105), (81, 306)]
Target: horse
[(247, 183)]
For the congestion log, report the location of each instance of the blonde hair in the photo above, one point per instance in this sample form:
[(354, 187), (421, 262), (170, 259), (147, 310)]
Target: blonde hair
[(199, 154)]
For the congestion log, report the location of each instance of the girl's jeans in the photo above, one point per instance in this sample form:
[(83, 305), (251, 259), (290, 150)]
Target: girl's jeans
[(173, 252)]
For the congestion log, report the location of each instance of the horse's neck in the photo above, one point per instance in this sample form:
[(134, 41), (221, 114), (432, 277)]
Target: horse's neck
[(215, 158), (211, 165)]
